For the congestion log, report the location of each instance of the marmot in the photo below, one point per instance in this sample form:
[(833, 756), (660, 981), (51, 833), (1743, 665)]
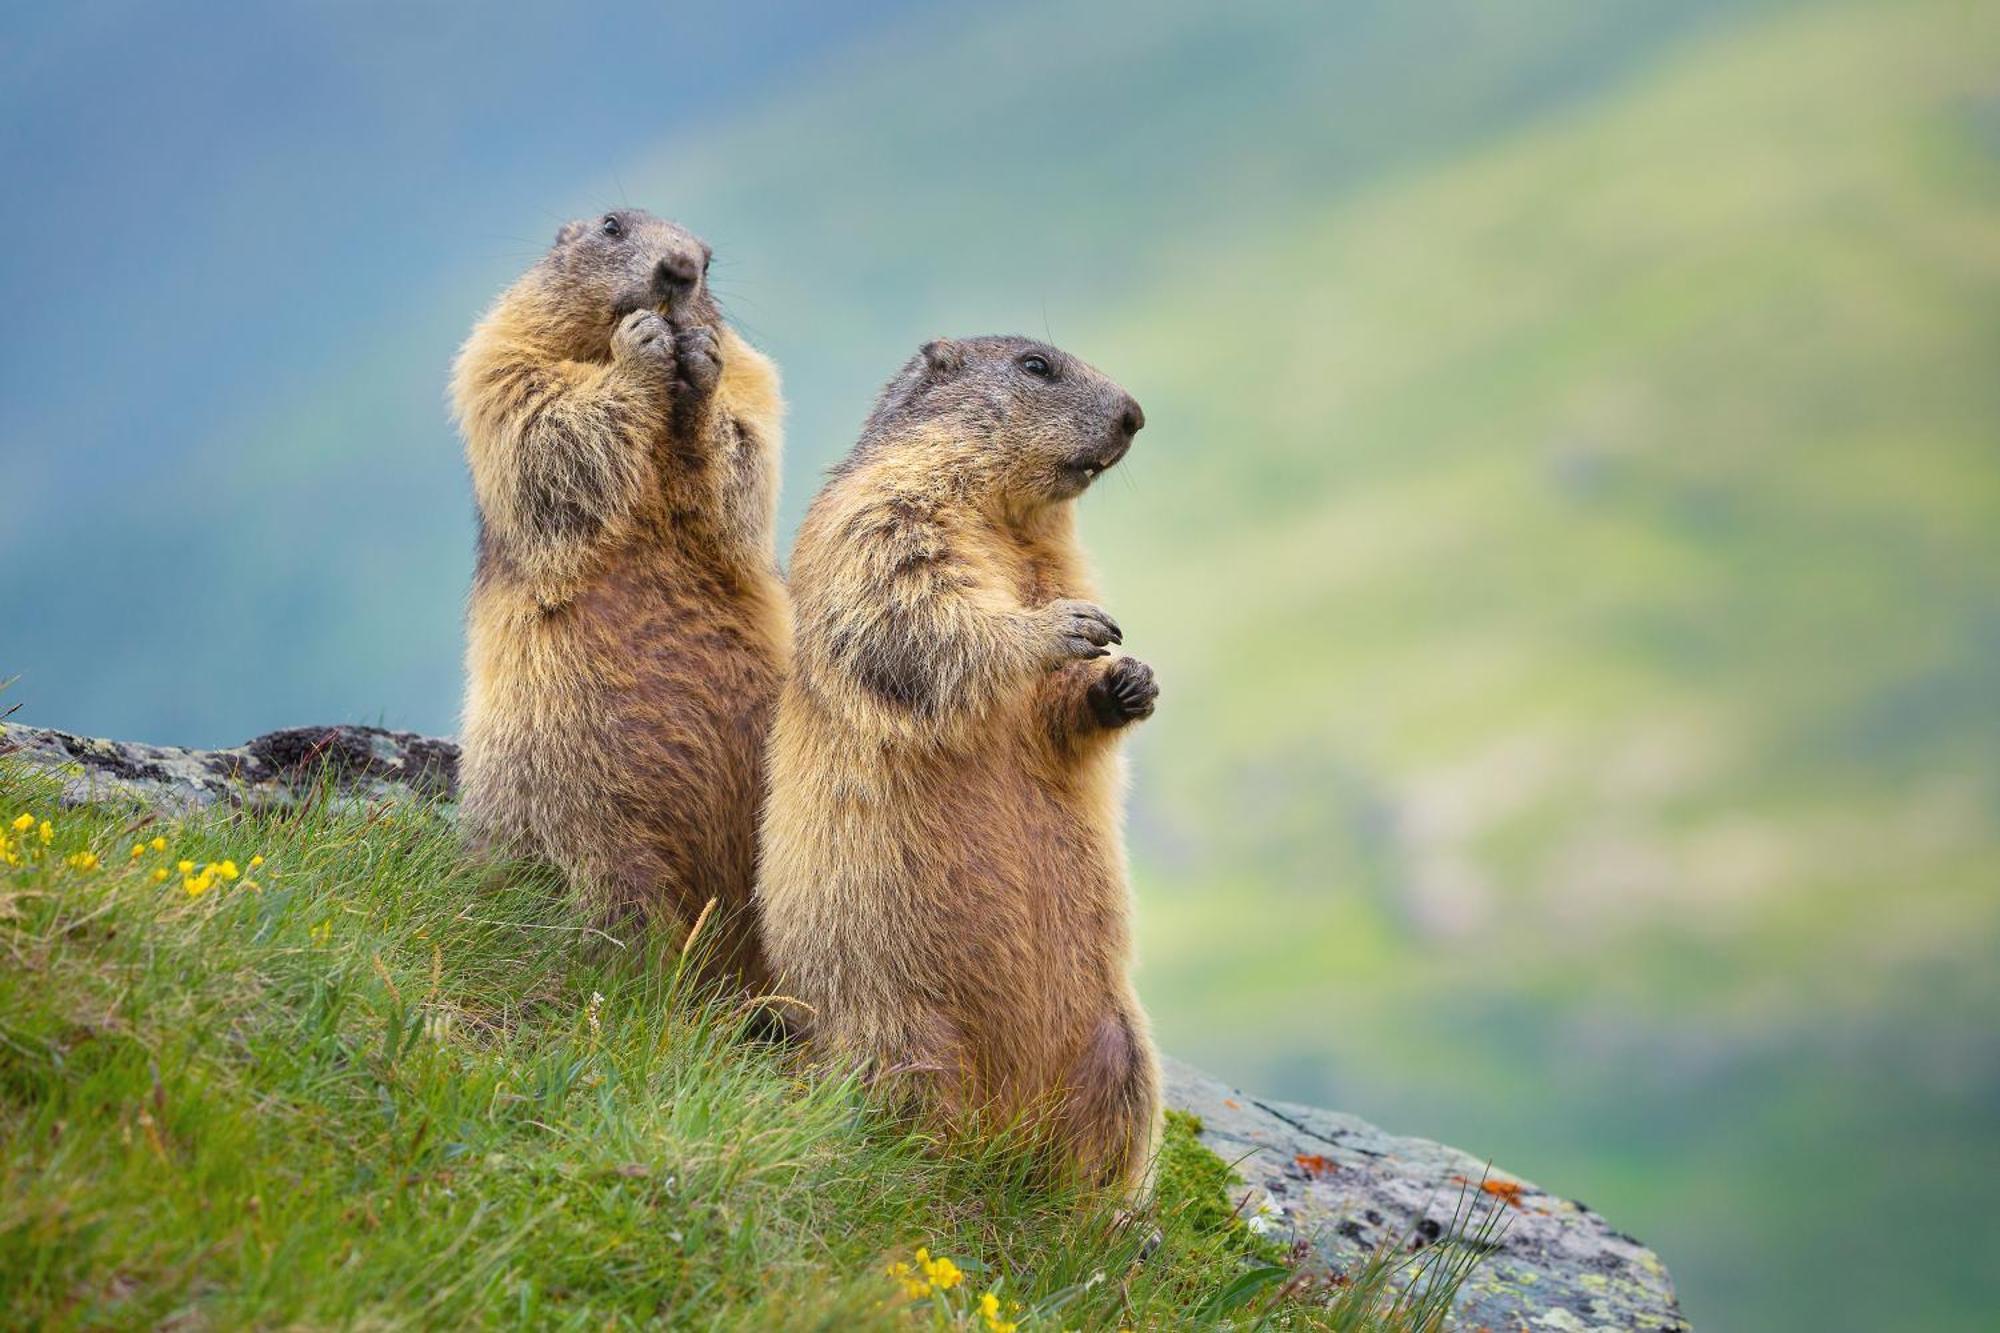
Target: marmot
[(628, 628), (943, 875)]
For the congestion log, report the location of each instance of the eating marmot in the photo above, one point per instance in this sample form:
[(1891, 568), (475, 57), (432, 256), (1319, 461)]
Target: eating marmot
[(628, 628)]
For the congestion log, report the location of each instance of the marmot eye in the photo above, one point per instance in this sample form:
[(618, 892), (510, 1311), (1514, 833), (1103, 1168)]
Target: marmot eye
[(612, 226), (1038, 366)]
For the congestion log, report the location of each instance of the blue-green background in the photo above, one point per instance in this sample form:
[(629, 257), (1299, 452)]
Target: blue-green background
[(1568, 527)]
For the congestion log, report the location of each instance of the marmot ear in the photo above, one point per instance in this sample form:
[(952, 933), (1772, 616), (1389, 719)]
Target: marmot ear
[(568, 232), (944, 356)]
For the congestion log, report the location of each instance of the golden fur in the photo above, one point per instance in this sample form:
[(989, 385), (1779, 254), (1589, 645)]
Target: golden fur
[(944, 871), (628, 629)]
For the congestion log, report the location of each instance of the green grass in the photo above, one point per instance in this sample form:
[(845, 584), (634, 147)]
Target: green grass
[(390, 1085)]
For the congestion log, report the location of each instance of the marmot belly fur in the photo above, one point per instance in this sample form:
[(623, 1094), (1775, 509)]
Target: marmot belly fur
[(943, 873), (628, 629)]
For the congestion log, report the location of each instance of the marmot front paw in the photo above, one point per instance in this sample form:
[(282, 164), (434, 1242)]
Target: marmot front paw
[(1076, 630), (644, 338), (1124, 693), (700, 353)]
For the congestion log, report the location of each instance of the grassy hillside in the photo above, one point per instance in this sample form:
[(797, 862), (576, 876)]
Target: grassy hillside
[(320, 1070)]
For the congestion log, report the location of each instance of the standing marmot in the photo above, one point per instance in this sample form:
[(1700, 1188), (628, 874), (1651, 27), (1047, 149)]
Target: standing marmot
[(944, 869), (628, 628)]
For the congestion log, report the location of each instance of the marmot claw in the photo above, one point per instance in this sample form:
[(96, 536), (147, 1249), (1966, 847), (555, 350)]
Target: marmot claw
[(700, 354), (1080, 630), (1124, 693), (644, 337)]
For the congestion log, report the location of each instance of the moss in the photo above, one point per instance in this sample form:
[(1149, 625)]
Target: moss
[(1193, 1183)]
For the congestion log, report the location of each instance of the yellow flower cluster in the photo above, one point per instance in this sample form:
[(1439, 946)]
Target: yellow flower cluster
[(198, 882), (25, 838), (196, 879), (929, 1275), (989, 1313)]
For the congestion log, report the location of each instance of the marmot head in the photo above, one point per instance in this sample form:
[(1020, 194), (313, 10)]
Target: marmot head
[(602, 269), (1029, 420)]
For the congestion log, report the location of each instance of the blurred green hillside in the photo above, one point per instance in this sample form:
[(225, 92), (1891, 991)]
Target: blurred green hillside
[(1567, 528), (1586, 605)]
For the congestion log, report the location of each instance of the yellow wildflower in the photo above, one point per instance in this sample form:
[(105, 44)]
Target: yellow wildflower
[(22, 823), (942, 1272), (185, 867), (47, 833), (914, 1287), (138, 850), (927, 1276), (989, 1310), (160, 875), (158, 844), (322, 932), (256, 861), (227, 869), (81, 860), (196, 885)]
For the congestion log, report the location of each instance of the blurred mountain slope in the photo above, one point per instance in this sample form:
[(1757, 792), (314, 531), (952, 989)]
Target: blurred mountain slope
[(1584, 558), (277, 508)]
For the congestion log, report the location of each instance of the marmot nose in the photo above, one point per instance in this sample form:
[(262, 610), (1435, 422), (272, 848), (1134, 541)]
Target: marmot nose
[(675, 274), (1134, 418)]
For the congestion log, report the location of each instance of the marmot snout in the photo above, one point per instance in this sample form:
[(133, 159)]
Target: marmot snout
[(630, 260)]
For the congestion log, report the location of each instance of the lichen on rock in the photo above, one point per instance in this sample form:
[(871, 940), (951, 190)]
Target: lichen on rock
[(277, 768), (1346, 1187)]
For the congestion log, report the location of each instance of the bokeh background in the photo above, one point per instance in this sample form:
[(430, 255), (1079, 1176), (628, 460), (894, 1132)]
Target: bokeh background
[(1568, 527)]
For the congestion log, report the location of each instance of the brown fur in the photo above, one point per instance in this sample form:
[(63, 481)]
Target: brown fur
[(944, 870), (628, 628)]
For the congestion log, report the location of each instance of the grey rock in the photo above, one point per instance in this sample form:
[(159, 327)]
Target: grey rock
[(1345, 1187), (276, 769), (1334, 1182)]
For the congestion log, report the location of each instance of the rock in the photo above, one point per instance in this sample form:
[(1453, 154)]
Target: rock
[(279, 768), (1335, 1182), (1345, 1187)]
